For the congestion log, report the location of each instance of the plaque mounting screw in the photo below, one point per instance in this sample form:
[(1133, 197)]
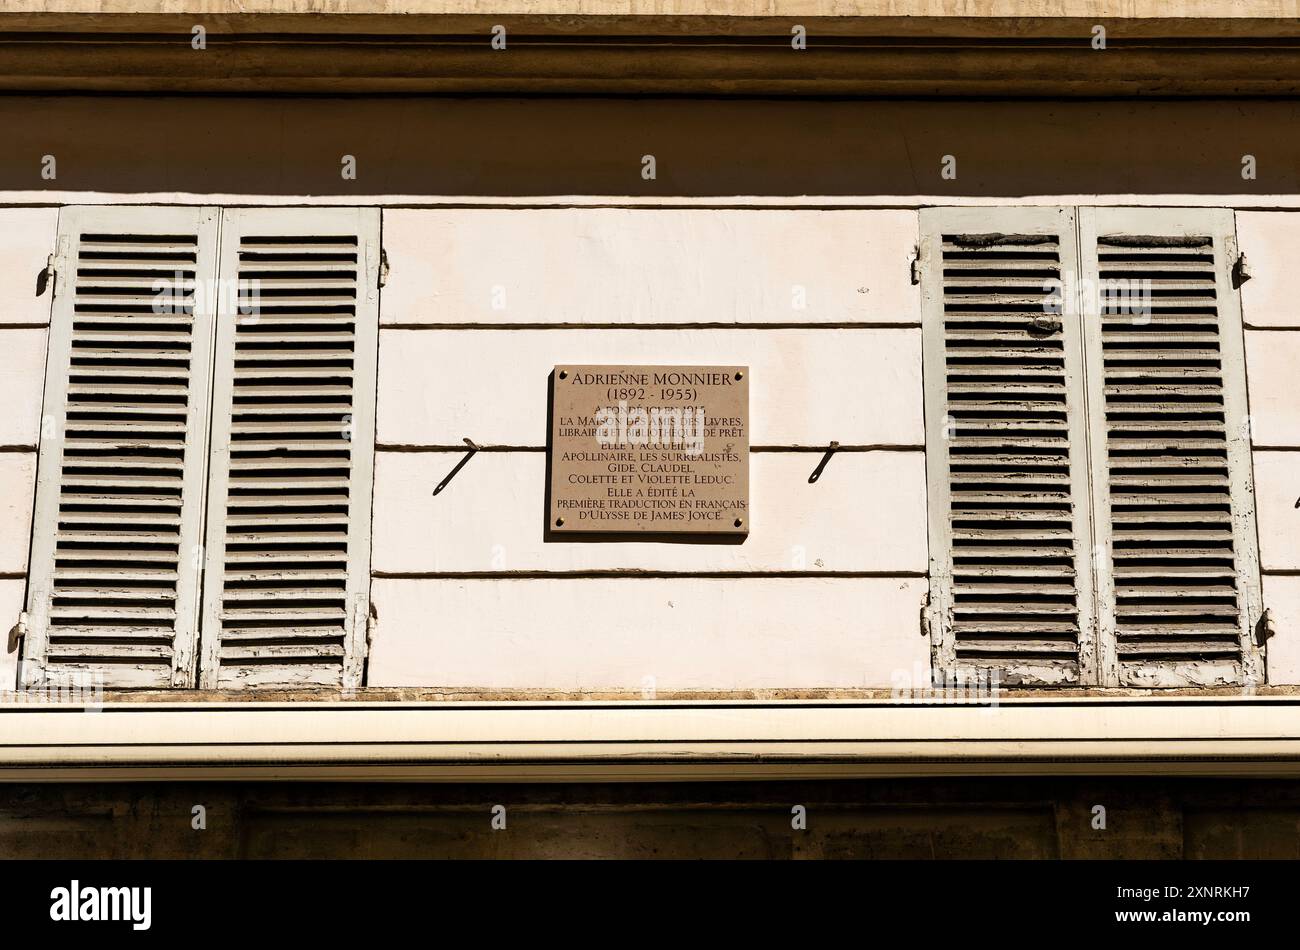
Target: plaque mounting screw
[(740, 376), (559, 522), (564, 374), (738, 522)]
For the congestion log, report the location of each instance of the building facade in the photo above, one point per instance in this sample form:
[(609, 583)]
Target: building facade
[(282, 292)]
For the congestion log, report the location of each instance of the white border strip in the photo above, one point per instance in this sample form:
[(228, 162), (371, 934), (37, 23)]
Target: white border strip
[(1206, 735)]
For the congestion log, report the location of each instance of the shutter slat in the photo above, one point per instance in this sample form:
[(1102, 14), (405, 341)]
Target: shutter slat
[(293, 432)]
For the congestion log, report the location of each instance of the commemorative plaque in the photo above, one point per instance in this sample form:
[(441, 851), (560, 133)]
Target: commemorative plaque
[(650, 450)]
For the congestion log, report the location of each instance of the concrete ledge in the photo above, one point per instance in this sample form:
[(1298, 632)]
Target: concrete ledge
[(641, 741)]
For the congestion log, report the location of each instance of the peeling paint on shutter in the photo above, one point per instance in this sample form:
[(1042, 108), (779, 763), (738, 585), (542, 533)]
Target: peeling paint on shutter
[(1010, 574), (1178, 576), (114, 581), (286, 597)]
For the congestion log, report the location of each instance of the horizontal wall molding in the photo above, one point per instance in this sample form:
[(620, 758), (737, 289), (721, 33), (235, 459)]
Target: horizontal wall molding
[(596, 741), (148, 51), (871, 18)]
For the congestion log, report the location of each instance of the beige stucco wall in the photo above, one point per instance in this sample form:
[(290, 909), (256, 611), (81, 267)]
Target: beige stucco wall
[(27, 238), (819, 305), (1271, 311), (826, 590)]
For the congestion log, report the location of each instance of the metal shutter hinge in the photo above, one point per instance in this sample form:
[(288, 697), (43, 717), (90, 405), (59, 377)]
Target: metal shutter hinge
[(17, 631), (1240, 271), (53, 272), (916, 265), (371, 619), (46, 274), (383, 267)]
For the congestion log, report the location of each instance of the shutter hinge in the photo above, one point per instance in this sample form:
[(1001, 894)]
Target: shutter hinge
[(1240, 271), (47, 274), (17, 631), (925, 615), (916, 265), (366, 615), (383, 267), (55, 264)]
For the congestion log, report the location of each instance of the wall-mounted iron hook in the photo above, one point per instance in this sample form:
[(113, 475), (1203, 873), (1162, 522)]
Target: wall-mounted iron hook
[(817, 472), (459, 465)]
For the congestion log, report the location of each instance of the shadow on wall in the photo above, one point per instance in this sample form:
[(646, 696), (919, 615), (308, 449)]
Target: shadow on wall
[(596, 146)]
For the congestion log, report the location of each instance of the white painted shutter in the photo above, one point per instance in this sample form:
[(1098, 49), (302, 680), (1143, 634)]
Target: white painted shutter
[(1010, 558), (1177, 579), (114, 580), (286, 598)]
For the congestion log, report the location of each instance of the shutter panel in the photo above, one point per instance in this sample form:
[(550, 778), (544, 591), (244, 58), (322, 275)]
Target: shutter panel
[(114, 579), (1009, 536), (1178, 585), (286, 601)]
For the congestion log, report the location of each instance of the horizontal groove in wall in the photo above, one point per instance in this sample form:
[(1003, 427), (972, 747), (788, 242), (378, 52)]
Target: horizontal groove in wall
[(19, 448), (651, 326), (637, 574), (462, 447), (1254, 326)]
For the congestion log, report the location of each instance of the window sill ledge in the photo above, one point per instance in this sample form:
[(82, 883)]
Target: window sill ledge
[(1207, 734)]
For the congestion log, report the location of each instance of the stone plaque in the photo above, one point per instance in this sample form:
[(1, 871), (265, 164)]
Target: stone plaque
[(650, 450)]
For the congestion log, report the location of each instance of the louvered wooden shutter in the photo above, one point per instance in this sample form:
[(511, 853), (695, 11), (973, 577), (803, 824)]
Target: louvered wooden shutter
[(1010, 586), (114, 580), (286, 598), (1177, 578)]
